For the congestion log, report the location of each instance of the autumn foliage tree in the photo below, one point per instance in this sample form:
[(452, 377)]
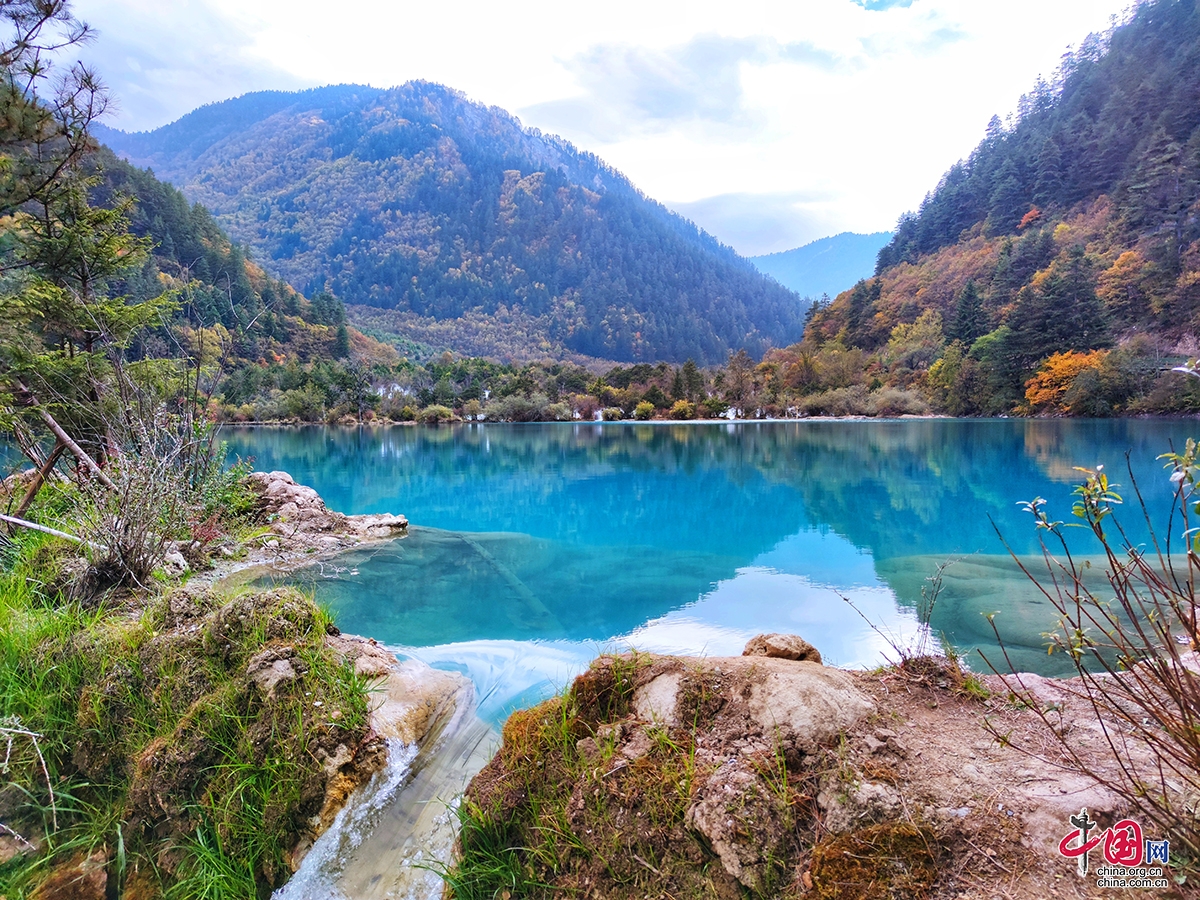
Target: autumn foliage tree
[(1046, 391)]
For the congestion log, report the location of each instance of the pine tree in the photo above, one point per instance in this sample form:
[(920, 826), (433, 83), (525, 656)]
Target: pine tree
[(1008, 202), (693, 380), (1063, 313), (1048, 186), (969, 318)]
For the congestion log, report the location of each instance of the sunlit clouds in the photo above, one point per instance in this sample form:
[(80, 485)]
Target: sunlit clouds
[(770, 123)]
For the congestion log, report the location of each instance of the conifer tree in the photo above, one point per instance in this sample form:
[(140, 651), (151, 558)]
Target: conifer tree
[(969, 318)]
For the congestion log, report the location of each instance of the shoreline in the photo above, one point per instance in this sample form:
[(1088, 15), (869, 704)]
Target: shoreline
[(908, 417)]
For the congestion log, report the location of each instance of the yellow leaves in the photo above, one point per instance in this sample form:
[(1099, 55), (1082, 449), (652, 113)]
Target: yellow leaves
[(205, 345), (1046, 390), (1121, 286)]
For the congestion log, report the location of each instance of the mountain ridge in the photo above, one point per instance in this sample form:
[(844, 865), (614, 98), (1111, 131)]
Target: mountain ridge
[(417, 201), (1056, 270)]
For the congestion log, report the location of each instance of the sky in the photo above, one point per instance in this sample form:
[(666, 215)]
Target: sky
[(770, 123)]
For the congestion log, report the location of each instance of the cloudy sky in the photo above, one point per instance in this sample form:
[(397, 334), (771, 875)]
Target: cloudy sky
[(769, 122)]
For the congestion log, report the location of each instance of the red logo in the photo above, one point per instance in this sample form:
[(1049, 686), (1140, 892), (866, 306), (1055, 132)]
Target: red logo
[(1123, 844)]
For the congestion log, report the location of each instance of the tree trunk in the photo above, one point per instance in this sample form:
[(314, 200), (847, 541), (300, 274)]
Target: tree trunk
[(40, 478), (78, 452)]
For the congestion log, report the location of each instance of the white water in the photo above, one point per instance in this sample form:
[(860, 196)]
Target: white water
[(317, 876), (397, 830)]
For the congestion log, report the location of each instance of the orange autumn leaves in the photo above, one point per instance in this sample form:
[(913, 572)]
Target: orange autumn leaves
[(1050, 390)]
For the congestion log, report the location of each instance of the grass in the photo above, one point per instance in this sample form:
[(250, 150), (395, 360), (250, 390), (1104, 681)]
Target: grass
[(160, 752), (568, 805)]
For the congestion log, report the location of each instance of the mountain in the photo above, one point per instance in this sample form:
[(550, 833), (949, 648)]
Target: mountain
[(464, 226), (828, 266), (1057, 269)]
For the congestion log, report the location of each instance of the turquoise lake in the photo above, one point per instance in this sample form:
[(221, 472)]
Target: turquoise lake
[(533, 547)]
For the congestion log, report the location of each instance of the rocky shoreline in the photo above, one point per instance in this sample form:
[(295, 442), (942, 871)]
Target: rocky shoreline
[(771, 775)]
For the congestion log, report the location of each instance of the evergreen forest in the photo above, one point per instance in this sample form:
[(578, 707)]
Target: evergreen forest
[(1056, 270)]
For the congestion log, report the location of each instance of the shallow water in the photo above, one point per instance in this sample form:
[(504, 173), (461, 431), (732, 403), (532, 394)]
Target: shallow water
[(535, 546)]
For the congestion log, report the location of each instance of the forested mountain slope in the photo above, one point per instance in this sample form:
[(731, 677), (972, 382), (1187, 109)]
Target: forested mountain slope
[(453, 216), (296, 356), (1057, 269)]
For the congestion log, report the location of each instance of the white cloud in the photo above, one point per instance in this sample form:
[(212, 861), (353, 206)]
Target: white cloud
[(629, 89), (730, 110), (162, 60)]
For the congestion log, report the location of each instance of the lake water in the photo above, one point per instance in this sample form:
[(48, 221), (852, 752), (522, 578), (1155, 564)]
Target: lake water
[(533, 547)]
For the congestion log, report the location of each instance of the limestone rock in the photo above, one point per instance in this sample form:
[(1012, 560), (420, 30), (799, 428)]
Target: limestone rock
[(297, 506), (739, 819), (782, 646), (655, 701), (807, 705), (412, 699), (377, 525), (271, 668), (848, 806), (174, 565)]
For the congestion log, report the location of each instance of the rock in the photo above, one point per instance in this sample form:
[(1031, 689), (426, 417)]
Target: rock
[(271, 668), (655, 701), (638, 745), (782, 646), (803, 706), (413, 698), (296, 505), (341, 756), (807, 705), (874, 744), (847, 806), (378, 525), (739, 818), (174, 565)]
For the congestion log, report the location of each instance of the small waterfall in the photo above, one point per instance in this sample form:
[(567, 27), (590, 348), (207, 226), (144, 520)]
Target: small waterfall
[(399, 828), (318, 873)]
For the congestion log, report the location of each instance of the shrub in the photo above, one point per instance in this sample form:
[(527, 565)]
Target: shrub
[(559, 412), (519, 409), (613, 414), (896, 402), (407, 414), (683, 410), (436, 415), (845, 401), (1130, 645), (585, 405), (713, 407), (306, 404), (644, 410)]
